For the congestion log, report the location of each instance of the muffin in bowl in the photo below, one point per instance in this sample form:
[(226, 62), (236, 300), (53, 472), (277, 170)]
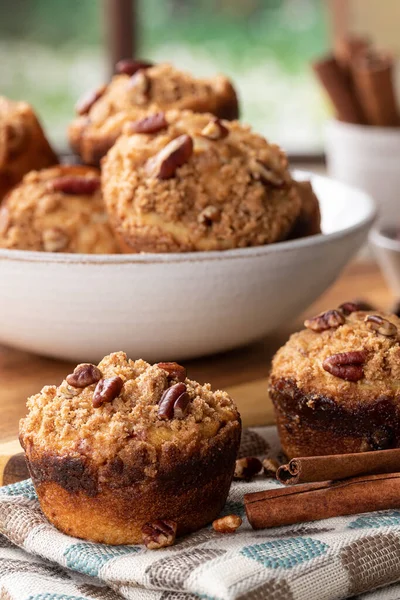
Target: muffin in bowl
[(182, 181), (122, 448), (335, 385), (140, 89), (23, 144), (57, 210)]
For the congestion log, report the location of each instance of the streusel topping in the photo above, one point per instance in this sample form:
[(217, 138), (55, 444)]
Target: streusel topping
[(63, 419), (377, 358), (57, 210), (228, 187)]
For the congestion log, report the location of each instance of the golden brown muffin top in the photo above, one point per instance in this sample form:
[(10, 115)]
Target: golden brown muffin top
[(57, 210), (208, 184), (159, 87), (64, 419), (355, 360)]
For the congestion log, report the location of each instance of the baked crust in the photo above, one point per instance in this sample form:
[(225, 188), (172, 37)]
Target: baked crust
[(319, 413), (23, 145), (91, 135), (122, 462), (154, 214), (36, 217)]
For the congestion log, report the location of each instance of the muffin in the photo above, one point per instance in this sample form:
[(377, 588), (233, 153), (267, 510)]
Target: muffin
[(138, 90), (23, 145), (182, 181), (309, 220), (124, 449), (57, 210), (335, 385)]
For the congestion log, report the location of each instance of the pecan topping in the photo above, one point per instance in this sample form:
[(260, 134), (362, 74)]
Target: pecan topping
[(160, 534), (129, 66), (326, 320), (140, 84), (380, 325), (150, 124), (83, 105), (107, 390), (349, 307), (247, 468), (84, 375), (169, 159), (270, 466), (227, 524), (346, 365), (174, 370), (265, 174), (54, 239), (215, 130), (209, 214), (174, 402), (74, 185)]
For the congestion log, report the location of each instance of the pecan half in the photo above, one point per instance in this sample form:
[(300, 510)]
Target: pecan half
[(265, 174), (174, 402), (215, 130), (54, 239), (227, 524), (140, 84), (84, 375), (107, 390), (380, 325), (159, 534), (270, 466), (210, 214), (129, 66), (174, 370), (84, 105), (331, 319), (349, 307), (346, 365), (74, 185), (169, 159), (150, 124), (246, 468)]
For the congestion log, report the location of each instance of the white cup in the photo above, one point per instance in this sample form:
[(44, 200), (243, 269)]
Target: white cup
[(368, 158)]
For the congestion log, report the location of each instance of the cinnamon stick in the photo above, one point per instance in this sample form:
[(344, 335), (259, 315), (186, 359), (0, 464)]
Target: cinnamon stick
[(347, 49), (315, 501), (373, 83), (339, 466), (339, 90)]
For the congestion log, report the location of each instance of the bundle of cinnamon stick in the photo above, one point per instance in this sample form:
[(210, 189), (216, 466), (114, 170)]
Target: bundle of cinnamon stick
[(359, 82), (321, 487)]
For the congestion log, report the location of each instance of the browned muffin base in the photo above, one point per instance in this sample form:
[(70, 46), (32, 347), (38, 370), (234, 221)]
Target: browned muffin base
[(314, 425)]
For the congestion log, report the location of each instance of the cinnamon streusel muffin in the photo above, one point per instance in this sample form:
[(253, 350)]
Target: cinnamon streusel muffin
[(141, 89), (57, 210), (129, 452), (23, 145), (180, 181), (309, 220), (336, 384)]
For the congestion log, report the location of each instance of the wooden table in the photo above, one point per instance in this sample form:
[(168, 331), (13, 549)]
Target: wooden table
[(242, 372)]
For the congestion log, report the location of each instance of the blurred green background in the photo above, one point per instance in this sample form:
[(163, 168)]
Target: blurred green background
[(54, 50)]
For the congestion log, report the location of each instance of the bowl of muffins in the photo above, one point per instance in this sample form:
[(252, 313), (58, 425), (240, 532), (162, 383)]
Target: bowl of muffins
[(180, 233)]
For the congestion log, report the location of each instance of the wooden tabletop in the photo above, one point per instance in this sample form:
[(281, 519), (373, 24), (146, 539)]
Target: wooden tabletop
[(242, 372)]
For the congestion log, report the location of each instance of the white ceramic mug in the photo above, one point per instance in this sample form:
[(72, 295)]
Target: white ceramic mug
[(368, 158)]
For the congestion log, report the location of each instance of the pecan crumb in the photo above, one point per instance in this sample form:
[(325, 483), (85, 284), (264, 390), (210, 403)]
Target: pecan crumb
[(171, 157), (174, 370), (227, 524), (246, 468), (107, 390), (381, 325), (84, 375), (215, 130), (331, 319), (74, 185), (159, 534), (270, 466), (346, 365), (149, 124), (174, 402)]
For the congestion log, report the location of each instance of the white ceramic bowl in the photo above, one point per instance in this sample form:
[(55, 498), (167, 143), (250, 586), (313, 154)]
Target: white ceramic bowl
[(387, 251), (368, 158), (175, 306)]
